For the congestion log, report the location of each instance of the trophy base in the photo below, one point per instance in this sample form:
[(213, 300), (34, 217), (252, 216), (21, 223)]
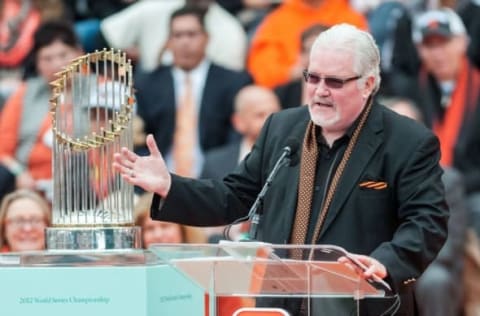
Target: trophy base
[(93, 238)]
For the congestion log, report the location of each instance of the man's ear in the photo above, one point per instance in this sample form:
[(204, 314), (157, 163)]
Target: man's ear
[(368, 86)]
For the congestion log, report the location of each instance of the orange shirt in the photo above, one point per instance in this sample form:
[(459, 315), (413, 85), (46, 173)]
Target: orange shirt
[(40, 160), (276, 45), (15, 55)]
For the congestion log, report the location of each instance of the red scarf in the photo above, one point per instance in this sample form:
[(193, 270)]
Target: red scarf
[(462, 102)]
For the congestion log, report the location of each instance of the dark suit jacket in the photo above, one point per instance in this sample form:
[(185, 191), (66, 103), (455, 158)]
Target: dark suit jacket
[(402, 226), (220, 161), (156, 105)]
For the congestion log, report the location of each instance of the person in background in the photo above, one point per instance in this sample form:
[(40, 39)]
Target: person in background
[(294, 93), (188, 105), (367, 179), (25, 120), (142, 31), (404, 57), (253, 105), (24, 215), (273, 54), (19, 19), (447, 92)]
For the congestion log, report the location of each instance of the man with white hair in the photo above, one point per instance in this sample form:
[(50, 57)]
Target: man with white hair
[(366, 179)]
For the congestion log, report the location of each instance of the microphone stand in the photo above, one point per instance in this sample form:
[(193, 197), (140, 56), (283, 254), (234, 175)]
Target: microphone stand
[(253, 213)]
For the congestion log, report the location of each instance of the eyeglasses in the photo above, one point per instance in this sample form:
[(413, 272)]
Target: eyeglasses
[(331, 82), (21, 222)]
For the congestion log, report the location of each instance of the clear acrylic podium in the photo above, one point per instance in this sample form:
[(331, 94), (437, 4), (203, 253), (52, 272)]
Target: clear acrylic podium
[(257, 271), (175, 280)]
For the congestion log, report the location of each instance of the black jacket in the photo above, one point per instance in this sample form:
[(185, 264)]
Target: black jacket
[(403, 226)]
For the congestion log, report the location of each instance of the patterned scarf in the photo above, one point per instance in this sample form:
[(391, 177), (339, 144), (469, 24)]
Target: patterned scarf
[(308, 166)]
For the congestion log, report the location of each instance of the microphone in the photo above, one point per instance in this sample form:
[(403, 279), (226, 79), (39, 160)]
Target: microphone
[(285, 159)]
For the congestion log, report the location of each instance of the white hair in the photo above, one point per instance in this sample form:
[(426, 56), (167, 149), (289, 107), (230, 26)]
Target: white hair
[(360, 43)]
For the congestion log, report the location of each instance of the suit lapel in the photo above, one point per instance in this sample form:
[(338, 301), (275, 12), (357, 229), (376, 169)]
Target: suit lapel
[(170, 89), (367, 145), (208, 99), (166, 104)]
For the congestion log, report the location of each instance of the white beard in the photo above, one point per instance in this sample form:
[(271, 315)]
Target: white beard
[(322, 122)]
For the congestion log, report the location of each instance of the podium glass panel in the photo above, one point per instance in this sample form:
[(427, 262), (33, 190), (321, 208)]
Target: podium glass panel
[(177, 279), (260, 270)]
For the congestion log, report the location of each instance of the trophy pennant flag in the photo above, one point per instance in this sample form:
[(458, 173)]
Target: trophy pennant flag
[(92, 108)]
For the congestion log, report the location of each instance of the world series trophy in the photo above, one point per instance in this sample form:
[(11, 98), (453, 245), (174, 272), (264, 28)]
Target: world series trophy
[(92, 106), (93, 247)]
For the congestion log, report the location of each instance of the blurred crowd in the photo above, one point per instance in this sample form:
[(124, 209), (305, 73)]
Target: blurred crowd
[(208, 73)]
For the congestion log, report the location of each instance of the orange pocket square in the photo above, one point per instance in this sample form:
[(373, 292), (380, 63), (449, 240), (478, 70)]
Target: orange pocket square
[(374, 185)]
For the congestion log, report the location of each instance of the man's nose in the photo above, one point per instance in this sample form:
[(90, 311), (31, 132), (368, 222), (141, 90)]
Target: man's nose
[(321, 88)]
